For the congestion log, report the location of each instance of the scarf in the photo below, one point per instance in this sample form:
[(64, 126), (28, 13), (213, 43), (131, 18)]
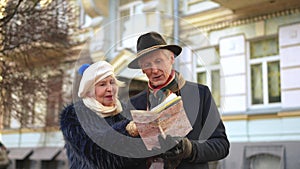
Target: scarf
[(156, 95), (100, 109)]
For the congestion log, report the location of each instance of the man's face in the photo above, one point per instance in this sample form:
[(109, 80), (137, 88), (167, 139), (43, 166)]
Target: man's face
[(157, 66)]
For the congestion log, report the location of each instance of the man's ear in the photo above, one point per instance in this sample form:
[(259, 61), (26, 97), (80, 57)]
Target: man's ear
[(172, 59)]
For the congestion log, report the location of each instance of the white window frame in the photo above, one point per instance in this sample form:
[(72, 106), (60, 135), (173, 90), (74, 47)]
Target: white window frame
[(208, 69), (131, 7), (205, 5), (264, 61), (82, 15)]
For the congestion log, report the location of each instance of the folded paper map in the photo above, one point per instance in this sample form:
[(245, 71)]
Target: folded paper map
[(168, 118)]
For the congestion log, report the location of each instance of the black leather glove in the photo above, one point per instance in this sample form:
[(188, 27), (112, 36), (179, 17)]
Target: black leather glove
[(168, 142), (181, 150)]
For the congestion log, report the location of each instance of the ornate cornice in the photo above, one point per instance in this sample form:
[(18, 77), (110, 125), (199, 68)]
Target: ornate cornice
[(242, 21)]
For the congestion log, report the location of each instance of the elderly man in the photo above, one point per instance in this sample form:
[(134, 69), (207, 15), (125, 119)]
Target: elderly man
[(208, 140)]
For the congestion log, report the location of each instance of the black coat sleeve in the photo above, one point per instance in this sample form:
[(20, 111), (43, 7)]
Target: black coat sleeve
[(209, 139)]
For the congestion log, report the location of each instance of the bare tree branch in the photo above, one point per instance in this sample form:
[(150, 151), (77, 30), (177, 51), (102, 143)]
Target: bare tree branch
[(34, 39)]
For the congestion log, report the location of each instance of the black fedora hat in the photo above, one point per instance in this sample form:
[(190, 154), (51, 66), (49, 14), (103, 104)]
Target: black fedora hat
[(149, 42)]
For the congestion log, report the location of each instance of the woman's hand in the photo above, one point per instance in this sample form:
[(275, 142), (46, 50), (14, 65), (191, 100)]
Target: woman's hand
[(131, 129)]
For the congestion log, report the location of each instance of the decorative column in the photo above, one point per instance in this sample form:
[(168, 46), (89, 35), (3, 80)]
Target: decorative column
[(233, 75), (289, 46)]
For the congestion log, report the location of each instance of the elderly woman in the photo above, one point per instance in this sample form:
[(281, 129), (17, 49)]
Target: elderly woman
[(86, 136)]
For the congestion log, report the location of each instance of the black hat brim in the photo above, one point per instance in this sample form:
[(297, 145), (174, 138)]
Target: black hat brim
[(173, 48)]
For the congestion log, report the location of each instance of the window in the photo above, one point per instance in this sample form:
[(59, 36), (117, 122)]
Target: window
[(208, 71), (126, 9), (54, 100), (26, 98), (194, 6), (264, 156), (82, 15), (264, 161), (264, 72), (124, 17)]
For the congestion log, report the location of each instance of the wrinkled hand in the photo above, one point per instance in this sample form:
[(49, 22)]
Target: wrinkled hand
[(132, 129), (181, 150)]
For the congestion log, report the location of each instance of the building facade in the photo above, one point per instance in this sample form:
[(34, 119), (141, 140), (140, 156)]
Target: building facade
[(246, 52)]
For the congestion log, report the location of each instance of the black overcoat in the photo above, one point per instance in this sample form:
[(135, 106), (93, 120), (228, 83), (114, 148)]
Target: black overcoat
[(208, 136)]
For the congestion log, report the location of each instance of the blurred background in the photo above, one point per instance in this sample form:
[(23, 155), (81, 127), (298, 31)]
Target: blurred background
[(247, 52)]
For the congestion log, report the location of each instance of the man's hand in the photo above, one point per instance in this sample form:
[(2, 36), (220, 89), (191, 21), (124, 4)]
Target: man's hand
[(181, 150)]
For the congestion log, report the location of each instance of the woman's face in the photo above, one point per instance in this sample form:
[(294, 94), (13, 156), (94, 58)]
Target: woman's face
[(106, 91)]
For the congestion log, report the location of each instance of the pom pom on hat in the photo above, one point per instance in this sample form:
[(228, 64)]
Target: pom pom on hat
[(92, 75), (83, 68)]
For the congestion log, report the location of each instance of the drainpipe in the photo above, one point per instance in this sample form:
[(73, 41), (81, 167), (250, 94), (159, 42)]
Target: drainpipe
[(113, 10), (176, 28)]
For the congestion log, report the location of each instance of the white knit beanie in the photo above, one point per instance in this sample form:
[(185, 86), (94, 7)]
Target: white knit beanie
[(92, 75)]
